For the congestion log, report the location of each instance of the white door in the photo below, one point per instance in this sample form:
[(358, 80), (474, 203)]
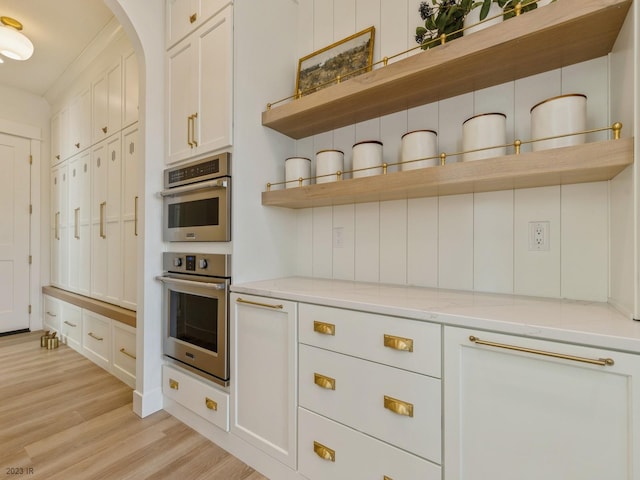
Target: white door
[(14, 232)]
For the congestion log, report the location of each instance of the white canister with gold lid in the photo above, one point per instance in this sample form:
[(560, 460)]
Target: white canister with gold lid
[(561, 115), (481, 132), (328, 163), (417, 145), (296, 168), (367, 158)]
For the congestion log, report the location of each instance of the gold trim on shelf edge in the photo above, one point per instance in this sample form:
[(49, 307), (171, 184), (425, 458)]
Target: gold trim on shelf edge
[(324, 328), (323, 452), (615, 128), (603, 362)]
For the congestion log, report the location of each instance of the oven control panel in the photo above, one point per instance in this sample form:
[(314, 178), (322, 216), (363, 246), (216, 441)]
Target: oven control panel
[(209, 264)]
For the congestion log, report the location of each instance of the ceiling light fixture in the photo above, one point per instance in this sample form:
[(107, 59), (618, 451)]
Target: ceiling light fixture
[(13, 43)]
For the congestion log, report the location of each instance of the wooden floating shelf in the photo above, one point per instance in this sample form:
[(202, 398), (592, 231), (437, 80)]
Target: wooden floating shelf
[(590, 162), (560, 34)]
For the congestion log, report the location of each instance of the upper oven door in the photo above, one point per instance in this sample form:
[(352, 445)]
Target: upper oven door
[(199, 212)]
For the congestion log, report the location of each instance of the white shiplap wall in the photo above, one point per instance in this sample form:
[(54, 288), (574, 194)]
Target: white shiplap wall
[(474, 241)]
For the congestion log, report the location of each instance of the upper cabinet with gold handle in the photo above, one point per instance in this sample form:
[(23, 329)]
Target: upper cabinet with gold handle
[(324, 328), (398, 343), (398, 406)]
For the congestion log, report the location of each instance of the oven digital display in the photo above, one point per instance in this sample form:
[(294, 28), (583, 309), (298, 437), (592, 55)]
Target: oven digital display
[(194, 171), (197, 213)]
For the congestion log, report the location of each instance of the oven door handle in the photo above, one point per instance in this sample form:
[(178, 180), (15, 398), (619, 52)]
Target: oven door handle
[(209, 185), (191, 283)]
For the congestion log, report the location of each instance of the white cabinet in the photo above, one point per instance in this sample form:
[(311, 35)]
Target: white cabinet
[(106, 260), (79, 223), (123, 352), (59, 226), (107, 102), (130, 198), (52, 313), (263, 371), (199, 396), (56, 145), (511, 411), (96, 339), (130, 102), (79, 125), (199, 90), (184, 16), (71, 326)]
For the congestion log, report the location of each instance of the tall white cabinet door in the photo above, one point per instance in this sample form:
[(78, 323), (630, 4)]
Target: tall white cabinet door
[(114, 220), (99, 262), (107, 102), (180, 103), (212, 125), (130, 89), (80, 122), (60, 225), (129, 215), (263, 374), (56, 153), (79, 224), (513, 414)]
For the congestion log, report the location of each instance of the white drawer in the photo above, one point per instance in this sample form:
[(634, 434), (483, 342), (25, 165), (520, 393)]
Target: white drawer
[(71, 326), (365, 395), (52, 313), (193, 393), (96, 341), (124, 353), (364, 335), (355, 456)]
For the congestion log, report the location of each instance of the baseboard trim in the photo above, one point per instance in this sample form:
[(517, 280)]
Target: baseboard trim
[(144, 404)]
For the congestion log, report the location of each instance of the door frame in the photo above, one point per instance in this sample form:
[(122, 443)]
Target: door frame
[(39, 251)]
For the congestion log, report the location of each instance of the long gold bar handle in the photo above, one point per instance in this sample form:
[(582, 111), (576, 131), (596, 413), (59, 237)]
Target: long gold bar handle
[(57, 226), (324, 381), (603, 362), (258, 304), (189, 118), (73, 325), (193, 129), (135, 216), (173, 384), (211, 404), (124, 352), (398, 343), (76, 214), (102, 220), (93, 335), (323, 452), (398, 406), (324, 328)]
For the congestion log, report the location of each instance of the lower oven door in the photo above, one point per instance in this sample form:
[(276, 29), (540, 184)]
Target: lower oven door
[(199, 212), (196, 322)]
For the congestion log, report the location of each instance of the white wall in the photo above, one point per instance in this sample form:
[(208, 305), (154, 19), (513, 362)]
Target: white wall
[(471, 242)]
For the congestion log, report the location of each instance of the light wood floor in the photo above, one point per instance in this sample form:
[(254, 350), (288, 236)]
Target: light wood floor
[(63, 417)]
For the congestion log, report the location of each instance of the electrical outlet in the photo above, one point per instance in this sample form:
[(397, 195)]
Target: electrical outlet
[(538, 236)]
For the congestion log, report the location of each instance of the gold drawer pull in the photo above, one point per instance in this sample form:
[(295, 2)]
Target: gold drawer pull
[(603, 362), (323, 452), (258, 304), (93, 335), (324, 382), (51, 314), (211, 404), (73, 325), (398, 343), (398, 406), (387, 478), (324, 328), (124, 352), (173, 384)]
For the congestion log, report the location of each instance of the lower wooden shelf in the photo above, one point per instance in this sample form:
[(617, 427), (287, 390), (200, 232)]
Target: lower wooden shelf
[(590, 162)]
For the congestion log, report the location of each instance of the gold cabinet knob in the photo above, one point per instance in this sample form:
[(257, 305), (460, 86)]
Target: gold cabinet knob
[(211, 404), (173, 384)]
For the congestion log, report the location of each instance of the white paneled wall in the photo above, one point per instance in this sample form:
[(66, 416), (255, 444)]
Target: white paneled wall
[(474, 241)]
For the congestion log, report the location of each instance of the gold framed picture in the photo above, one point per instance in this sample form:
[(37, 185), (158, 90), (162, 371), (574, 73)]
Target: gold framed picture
[(341, 60)]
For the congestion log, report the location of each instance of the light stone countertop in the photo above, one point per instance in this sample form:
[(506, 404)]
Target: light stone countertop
[(588, 323)]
